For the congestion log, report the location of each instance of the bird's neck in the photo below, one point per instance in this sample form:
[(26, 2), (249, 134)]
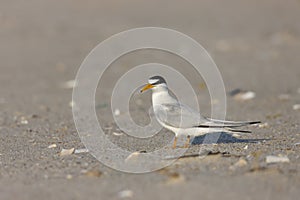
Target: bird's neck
[(161, 96)]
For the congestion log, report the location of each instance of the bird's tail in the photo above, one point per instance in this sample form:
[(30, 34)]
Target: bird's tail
[(234, 122), (215, 123)]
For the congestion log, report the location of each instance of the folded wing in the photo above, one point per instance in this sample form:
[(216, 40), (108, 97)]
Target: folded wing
[(181, 116)]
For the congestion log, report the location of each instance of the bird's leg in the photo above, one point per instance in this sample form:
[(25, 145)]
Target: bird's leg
[(187, 143), (175, 142)]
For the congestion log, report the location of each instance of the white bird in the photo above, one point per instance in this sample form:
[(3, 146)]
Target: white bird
[(181, 119)]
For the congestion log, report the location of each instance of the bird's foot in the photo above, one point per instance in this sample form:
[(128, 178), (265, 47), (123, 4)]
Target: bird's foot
[(187, 143), (174, 143)]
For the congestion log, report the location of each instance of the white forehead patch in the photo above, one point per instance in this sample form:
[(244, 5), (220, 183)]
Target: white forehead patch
[(152, 81)]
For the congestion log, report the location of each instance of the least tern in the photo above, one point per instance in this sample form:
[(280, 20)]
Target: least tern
[(180, 118)]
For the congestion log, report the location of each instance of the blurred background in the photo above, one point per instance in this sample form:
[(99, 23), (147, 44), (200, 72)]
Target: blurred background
[(255, 44)]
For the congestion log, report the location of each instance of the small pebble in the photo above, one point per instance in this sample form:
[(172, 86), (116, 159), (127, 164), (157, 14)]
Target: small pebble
[(277, 159), (117, 112), (52, 146), (24, 120), (71, 104), (117, 134), (296, 107), (77, 151), (264, 125), (241, 95), (93, 173), (69, 176), (132, 156), (246, 147), (245, 96), (125, 194), (66, 152)]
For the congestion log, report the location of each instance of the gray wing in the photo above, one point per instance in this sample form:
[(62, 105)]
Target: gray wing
[(181, 116), (178, 115)]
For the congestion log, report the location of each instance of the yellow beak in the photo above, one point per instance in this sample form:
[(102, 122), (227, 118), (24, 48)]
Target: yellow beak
[(147, 87)]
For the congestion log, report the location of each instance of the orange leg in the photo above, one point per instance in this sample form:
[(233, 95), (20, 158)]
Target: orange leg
[(187, 143), (175, 142)]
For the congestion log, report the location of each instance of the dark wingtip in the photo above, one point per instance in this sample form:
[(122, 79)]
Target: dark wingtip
[(255, 122)]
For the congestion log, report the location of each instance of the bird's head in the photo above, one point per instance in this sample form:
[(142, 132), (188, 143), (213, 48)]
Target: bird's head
[(155, 82)]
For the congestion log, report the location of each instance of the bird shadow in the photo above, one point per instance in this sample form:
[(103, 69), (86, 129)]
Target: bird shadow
[(222, 138)]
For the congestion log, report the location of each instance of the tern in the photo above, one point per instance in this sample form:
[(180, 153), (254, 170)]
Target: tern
[(183, 120)]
